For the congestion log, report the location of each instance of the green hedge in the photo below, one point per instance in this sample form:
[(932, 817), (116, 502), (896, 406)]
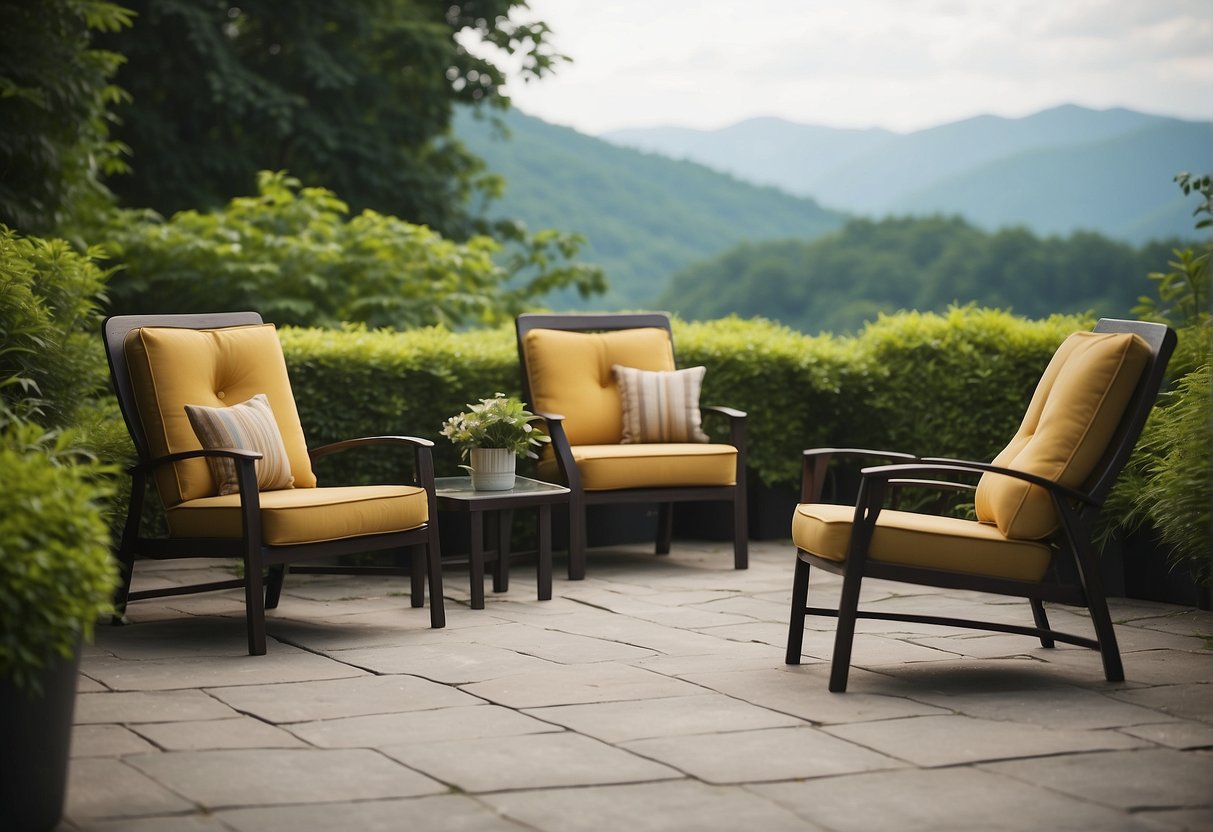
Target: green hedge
[(949, 385)]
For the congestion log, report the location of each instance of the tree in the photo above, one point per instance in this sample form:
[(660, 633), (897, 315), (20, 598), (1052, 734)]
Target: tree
[(290, 253), (356, 96), (55, 92)]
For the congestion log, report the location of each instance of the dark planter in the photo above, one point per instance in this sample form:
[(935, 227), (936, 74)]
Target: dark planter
[(35, 735)]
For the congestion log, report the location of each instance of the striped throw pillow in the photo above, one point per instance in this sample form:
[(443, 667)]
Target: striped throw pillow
[(248, 426), (660, 406)]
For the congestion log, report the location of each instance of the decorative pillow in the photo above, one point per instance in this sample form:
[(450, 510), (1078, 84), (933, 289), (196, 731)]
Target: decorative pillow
[(248, 426), (660, 406)]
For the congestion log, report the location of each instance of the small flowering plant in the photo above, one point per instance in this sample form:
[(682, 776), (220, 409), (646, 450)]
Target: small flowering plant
[(499, 422)]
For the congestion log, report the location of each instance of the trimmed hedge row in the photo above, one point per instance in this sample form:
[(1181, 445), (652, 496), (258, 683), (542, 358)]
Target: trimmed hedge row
[(954, 384)]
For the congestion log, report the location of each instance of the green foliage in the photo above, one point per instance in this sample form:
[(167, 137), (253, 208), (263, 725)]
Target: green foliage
[(952, 385), (55, 97), (56, 574), (51, 361), (1168, 483), (292, 254), (839, 281), (497, 422), (355, 95), (644, 217)]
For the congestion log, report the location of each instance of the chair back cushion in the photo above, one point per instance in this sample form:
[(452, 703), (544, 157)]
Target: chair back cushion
[(1067, 429), (570, 374), (171, 368)]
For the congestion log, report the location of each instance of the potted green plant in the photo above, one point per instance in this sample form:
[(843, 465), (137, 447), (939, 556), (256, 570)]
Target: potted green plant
[(56, 579), (491, 435)]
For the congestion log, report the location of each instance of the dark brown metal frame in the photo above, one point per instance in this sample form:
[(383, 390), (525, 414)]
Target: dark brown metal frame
[(579, 498), (260, 593), (1076, 508)]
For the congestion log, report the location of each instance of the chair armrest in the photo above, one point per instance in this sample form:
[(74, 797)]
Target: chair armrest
[(554, 423), (816, 461), (235, 454), (736, 430), (887, 473), (363, 441), (423, 460)]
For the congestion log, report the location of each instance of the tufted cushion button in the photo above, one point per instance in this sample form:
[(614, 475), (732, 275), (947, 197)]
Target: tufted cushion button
[(221, 395)]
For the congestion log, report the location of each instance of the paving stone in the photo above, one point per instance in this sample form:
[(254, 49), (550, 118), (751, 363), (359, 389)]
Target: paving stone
[(1172, 779), (668, 640), (1061, 707), (106, 741), (617, 722), (474, 722), (282, 663), (156, 706), (1184, 701), (647, 807), (929, 741), (1182, 734), (242, 732), (633, 607), (801, 691), (353, 630), (979, 675), (1192, 820), (217, 779), (106, 788), (940, 800), (734, 655), (557, 646), (175, 638), (536, 761), (86, 685), (468, 663), (756, 756), (579, 684), (449, 813), (306, 701), (166, 823)]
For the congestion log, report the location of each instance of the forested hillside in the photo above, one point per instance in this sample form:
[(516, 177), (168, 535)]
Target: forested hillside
[(839, 281), (644, 216)]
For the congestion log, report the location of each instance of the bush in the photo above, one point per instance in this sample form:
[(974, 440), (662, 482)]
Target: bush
[(949, 385), (56, 573)]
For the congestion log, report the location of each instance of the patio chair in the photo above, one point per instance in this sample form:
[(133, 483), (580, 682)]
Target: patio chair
[(246, 488), (1036, 503), (624, 424)]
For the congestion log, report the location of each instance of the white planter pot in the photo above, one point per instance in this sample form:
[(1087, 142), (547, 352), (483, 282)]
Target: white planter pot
[(492, 469)]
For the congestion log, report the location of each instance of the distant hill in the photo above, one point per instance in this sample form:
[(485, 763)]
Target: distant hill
[(1054, 172), (645, 216)]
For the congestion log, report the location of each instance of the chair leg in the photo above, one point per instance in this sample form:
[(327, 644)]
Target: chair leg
[(273, 585), (434, 561), (848, 607), (800, 599), (254, 604), (665, 527), (126, 570), (417, 576), (1109, 651), (1042, 620), (741, 531), (577, 539)]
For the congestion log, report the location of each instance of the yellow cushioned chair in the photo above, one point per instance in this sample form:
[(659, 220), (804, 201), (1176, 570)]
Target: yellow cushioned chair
[(1036, 503), (568, 377), (162, 367)]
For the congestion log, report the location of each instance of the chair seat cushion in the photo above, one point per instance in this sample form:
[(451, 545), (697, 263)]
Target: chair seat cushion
[(923, 540), (608, 467), (307, 515)]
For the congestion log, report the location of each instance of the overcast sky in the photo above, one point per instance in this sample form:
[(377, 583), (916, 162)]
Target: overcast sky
[(898, 64)]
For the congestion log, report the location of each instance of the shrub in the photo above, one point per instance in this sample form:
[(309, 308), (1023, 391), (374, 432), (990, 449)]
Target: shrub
[(56, 573)]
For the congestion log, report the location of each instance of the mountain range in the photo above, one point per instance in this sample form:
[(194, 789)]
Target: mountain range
[(652, 202), (1055, 172)]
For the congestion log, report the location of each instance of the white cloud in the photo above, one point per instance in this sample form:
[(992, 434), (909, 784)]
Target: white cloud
[(899, 64)]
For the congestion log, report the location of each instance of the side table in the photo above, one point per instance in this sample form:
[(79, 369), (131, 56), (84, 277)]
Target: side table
[(457, 494)]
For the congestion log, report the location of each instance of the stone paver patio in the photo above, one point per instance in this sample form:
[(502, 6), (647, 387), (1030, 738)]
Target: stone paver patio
[(651, 696)]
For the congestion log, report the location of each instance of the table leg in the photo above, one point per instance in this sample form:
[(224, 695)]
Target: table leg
[(476, 558), (543, 567), (417, 577), (501, 570)]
